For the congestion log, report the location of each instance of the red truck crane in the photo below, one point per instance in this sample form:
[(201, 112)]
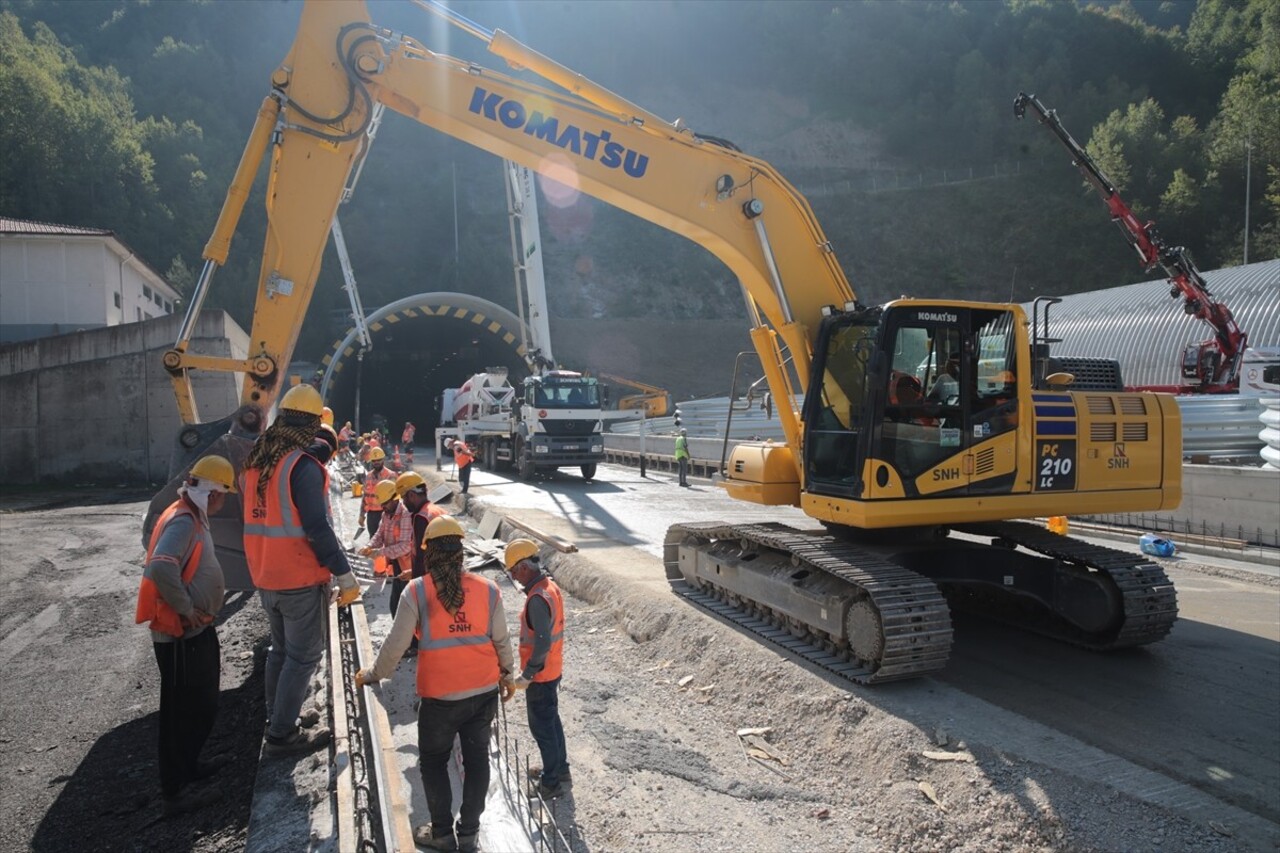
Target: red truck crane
[(1211, 366)]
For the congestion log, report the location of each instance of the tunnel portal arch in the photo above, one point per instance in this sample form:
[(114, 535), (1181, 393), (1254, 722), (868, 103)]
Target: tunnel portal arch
[(430, 341)]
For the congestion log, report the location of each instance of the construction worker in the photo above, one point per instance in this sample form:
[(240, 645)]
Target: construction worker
[(463, 456), (541, 663), (412, 490), (370, 509), (464, 662), (682, 456), (179, 597), (293, 554), (326, 416), (393, 543), (406, 438)]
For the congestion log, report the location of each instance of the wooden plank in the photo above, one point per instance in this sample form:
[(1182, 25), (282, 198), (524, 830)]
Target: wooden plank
[(348, 838), (554, 541), (398, 830)]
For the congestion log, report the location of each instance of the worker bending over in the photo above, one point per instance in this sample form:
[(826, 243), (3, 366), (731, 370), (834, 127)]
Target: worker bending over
[(541, 663), (293, 554), (464, 655)]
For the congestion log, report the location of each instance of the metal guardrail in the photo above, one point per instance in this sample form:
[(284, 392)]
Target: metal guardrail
[(1214, 427)]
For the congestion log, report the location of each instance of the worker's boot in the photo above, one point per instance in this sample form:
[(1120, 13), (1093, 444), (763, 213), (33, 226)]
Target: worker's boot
[(425, 836), (468, 844)]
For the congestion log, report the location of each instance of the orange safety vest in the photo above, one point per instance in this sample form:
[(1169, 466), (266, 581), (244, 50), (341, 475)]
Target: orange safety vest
[(391, 536), (547, 590), (370, 481), (456, 653), (151, 604), (462, 454), (275, 545)]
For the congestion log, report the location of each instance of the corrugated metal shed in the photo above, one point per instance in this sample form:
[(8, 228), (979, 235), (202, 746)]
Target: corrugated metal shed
[(9, 225), (1140, 326)]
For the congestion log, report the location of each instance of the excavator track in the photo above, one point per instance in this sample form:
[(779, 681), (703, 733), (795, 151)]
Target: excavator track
[(904, 619), (1148, 600)]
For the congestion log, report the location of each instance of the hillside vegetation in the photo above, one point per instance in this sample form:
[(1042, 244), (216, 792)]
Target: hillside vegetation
[(894, 117)]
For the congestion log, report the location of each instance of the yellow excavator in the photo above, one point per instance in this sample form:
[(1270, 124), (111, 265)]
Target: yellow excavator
[(652, 400), (922, 429)]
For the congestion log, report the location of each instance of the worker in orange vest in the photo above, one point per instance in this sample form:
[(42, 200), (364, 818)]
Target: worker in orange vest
[(463, 456), (293, 556), (370, 509), (179, 597), (406, 438), (541, 663), (464, 663), (393, 544)]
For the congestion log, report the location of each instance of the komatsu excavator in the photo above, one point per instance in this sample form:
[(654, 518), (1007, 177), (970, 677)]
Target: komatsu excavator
[(889, 470)]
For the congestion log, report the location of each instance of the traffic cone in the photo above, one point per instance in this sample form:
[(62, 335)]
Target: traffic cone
[(396, 457)]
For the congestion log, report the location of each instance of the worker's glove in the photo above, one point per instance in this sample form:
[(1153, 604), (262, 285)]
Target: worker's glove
[(405, 576), (506, 688), (348, 589), (366, 551), (521, 683), (363, 677)]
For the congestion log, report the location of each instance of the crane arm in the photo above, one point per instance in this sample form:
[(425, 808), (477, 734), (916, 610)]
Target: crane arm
[(1216, 365)]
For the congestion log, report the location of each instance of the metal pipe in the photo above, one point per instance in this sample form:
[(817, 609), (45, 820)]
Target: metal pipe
[(193, 307)]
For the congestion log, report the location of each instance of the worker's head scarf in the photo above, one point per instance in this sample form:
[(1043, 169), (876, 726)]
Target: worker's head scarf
[(197, 491), (444, 564), (291, 431)]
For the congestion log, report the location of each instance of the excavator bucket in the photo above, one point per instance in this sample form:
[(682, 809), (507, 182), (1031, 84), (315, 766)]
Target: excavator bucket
[(231, 437)]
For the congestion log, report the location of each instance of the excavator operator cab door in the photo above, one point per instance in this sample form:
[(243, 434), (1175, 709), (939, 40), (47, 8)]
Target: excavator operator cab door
[(913, 400)]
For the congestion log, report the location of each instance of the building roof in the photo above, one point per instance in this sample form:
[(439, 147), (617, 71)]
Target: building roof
[(10, 225), (1142, 328)]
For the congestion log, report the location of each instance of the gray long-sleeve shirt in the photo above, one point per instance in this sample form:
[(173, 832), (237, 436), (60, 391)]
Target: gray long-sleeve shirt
[(207, 587), (537, 613), (407, 617)]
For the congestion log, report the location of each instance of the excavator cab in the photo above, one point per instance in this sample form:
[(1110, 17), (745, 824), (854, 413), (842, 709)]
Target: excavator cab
[(905, 398)]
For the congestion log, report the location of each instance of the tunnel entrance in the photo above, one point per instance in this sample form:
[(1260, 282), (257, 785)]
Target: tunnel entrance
[(422, 345)]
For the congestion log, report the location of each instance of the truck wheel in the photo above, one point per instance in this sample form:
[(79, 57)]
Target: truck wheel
[(589, 471), (524, 463)]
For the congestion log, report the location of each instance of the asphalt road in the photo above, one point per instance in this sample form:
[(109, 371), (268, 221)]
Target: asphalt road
[(1201, 708)]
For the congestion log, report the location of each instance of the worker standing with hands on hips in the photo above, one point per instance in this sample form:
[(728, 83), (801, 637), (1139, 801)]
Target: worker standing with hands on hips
[(464, 660), (293, 554), (682, 456), (541, 663), (180, 595)]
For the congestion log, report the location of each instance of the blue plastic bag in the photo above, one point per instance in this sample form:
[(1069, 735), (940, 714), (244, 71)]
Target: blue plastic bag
[(1157, 546)]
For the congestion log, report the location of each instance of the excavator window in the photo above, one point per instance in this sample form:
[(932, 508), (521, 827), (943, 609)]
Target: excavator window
[(837, 414)]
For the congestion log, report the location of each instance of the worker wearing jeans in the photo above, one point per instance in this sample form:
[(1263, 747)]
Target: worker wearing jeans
[(682, 456), (541, 663)]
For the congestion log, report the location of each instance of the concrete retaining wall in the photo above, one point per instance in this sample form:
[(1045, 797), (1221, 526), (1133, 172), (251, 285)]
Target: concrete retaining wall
[(98, 407)]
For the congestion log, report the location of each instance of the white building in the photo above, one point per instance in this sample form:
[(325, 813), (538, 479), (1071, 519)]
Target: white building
[(64, 278)]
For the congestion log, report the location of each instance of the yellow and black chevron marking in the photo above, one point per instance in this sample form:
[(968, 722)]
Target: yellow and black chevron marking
[(511, 339)]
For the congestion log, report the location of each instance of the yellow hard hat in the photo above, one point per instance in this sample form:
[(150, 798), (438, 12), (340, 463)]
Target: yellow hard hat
[(1005, 376), (384, 491), (326, 416), (408, 481), (444, 525), (377, 453), (216, 469), (303, 398), (517, 550)]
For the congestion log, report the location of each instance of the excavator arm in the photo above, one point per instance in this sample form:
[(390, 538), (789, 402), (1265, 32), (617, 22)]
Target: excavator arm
[(1214, 364), (312, 126)]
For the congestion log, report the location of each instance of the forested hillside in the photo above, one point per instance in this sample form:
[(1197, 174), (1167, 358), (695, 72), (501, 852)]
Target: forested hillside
[(895, 118)]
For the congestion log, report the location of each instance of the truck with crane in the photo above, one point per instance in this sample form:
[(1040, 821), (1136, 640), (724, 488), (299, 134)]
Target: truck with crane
[(923, 504), (1211, 366)]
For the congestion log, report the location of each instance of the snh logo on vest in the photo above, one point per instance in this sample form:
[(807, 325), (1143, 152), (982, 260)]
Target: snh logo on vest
[(460, 624), (596, 146)]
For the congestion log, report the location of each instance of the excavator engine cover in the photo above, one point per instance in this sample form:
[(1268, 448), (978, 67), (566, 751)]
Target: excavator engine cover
[(763, 473)]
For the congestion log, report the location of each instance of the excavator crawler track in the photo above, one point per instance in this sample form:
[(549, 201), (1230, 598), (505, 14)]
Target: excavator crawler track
[(914, 622), (1148, 599)]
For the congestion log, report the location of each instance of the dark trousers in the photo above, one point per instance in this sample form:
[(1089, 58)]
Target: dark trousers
[(438, 721), (543, 703), (464, 476), (189, 672), (684, 470), (372, 521)]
